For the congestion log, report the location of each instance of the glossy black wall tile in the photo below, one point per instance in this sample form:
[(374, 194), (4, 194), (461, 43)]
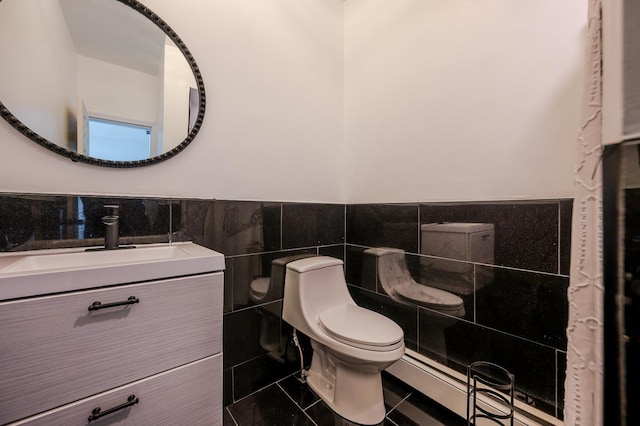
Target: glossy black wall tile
[(251, 237), (38, 222), (336, 251), (566, 214), (138, 216), (31, 217), (533, 365), (516, 318), (526, 233), (561, 376), (383, 225), (305, 225), (252, 280), (404, 314), (241, 336), (232, 227), (227, 386), (527, 304)]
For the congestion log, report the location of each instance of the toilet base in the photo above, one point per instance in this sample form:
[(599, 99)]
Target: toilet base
[(352, 391)]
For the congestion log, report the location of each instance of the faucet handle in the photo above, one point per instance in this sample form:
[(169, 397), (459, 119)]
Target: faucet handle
[(111, 209)]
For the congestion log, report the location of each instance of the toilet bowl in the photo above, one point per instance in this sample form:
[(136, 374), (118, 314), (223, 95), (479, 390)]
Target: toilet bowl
[(351, 345), (395, 280)]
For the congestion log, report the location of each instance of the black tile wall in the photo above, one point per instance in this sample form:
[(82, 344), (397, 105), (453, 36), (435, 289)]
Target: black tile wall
[(533, 365), (404, 314), (232, 227), (257, 343), (525, 304), (566, 213), (306, 225), (383, 225), (526, 233), (30, 222), (515, 311), (562, 370)]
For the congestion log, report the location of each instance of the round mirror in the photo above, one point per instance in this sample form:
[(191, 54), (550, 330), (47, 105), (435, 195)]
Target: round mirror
[(105, 82)]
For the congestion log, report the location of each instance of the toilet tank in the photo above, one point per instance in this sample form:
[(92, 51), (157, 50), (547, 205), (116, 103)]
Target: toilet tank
[(312, 286), (471, 242), (278, 270)]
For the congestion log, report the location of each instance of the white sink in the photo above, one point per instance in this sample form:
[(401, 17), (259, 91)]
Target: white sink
[(51, 271)]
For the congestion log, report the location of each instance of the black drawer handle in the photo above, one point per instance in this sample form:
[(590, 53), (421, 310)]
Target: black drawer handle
[(99, 305), (97, 413)]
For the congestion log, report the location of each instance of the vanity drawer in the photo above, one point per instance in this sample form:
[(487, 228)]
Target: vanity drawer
[(53, 350), (187, 395)]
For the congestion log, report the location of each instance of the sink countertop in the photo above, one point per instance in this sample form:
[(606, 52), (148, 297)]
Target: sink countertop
[(42, 272)]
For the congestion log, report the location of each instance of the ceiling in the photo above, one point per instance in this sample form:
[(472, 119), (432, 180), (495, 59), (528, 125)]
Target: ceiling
[(113, 32)]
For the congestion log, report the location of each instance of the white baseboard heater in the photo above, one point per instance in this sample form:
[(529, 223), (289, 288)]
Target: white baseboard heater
[(449, 388)]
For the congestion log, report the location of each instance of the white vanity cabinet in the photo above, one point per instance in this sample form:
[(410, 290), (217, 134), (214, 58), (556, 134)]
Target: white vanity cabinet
[(153, 350)]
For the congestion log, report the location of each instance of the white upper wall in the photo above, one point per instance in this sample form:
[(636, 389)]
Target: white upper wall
[(453, 100), (442, 99), (44, 56), (273, 127), (116, 93)]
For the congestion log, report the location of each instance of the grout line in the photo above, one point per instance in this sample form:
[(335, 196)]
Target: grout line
[(231, 415), (396, 406), (317, 402), (258, 253), (252, 393), (418, 230), (559, 236), (281, 224), (556, 386), (344, 236), (489, 265), (233, 385), (246, 308), (475, 291), (295, 402), (170, 205)]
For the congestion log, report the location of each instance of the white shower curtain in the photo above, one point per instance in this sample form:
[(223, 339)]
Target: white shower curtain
[(584, 380)]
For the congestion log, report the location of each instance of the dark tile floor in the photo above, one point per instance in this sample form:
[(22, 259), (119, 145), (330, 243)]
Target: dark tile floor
[(290, 402)]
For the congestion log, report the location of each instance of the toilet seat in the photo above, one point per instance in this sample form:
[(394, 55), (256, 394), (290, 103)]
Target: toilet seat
[(361, 328), (429, 297)]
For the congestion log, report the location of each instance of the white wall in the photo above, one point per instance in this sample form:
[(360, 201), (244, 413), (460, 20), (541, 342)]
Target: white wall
[(462, 99), (114, 92), (40, 63), (178, 79), (273, 127), (442, 99)]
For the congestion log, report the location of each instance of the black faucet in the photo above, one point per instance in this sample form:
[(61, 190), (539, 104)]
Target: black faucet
[(111, 221)]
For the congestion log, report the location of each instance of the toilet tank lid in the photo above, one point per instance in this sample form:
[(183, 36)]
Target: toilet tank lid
[(313, 263), (282, 261), (457, 227), (382, 251)]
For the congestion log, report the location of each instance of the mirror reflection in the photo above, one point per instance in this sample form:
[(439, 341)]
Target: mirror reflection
[(96, 78)]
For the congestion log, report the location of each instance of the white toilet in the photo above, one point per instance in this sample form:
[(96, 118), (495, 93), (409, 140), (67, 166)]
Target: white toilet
[(351, 345), (396, 281)]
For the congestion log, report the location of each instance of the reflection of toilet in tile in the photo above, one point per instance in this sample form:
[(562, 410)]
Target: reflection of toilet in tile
[(451, 247), (267, 289), (394, 278), (396, 281)]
